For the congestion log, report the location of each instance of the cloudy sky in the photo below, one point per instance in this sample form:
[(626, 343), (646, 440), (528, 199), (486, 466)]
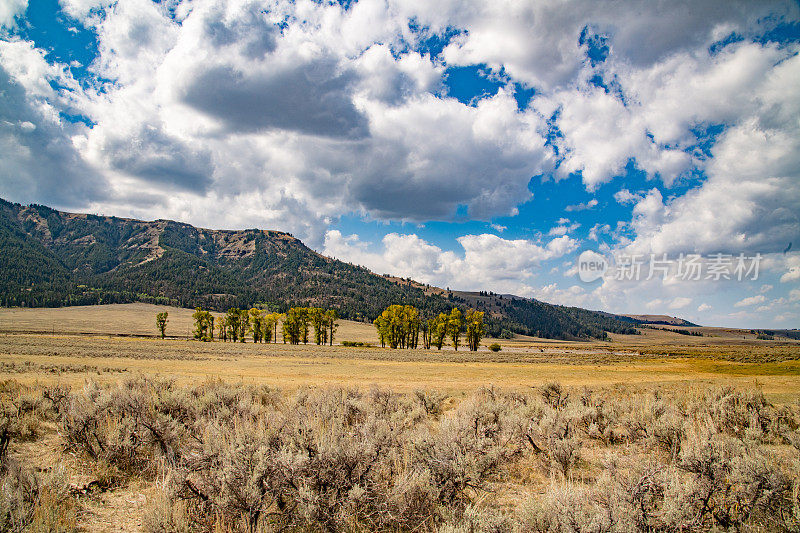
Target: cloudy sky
[(469, 144)]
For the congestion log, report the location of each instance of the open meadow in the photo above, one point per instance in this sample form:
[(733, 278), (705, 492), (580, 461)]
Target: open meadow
[(106, 427), (102, 342)]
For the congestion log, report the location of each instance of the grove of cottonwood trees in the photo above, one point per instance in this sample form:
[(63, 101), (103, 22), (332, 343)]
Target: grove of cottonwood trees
[(399, 326), (296, 325)]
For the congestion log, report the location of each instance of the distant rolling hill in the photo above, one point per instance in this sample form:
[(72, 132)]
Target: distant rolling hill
[(52, 258), (665, 320)]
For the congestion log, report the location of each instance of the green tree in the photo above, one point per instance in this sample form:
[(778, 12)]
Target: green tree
[(256, 324), (475, 328), (389, 325), (161, 323), (382, 325), (398, 326), (331, 316), (316, 316), (278, 318), (203, 325), (428, 326), (455, 326), (233, 320), (268, 326), (244, 324), (295, 326), (439, 330), (222, 330), (411, 324), (302, 314)]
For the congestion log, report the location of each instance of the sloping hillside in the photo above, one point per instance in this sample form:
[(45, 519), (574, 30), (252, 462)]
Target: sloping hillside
[(660, 319), (53, 258)]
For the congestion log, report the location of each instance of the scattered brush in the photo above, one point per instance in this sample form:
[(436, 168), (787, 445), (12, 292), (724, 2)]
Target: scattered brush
[(242, 458)]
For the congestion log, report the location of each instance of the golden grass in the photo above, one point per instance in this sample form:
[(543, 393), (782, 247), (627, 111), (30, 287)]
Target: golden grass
[(290, 367), (129, 319), (31, 352), (139, 319)]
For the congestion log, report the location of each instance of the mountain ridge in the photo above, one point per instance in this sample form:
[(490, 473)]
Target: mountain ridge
[(54, 258)]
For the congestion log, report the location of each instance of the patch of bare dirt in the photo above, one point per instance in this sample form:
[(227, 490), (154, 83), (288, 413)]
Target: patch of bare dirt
[(115, 510)]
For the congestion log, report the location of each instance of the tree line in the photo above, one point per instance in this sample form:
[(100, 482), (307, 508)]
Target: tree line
[(299, 321), (400, 326), (297, 325)]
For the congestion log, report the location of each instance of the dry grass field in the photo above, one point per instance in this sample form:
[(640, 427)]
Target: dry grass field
[(105, 427), (70, 344), (136, 319)]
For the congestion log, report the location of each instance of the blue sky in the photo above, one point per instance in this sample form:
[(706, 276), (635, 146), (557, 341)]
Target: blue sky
[(462, 143)]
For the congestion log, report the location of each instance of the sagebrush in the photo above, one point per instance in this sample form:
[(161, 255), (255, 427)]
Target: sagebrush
[(251, 458)]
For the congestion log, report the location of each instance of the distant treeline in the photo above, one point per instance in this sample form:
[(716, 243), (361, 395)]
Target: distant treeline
[(538, 319), (678, 331), (788, 333)]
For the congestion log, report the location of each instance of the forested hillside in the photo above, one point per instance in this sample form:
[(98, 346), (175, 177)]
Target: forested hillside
[(510, 313), (51, 258)]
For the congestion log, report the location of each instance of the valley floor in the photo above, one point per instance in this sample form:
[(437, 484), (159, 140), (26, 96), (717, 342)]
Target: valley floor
[(71, 359), (107, 342), (112, 348)]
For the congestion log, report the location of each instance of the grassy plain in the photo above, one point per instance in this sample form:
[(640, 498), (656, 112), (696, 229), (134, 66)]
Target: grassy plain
[(71, 344), (537, 456)]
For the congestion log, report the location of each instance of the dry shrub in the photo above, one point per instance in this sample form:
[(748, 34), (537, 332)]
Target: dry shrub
[(128, 427), (719, 483), (430, 401), (21, 414), (596, 419), (555, 395), (19, 487), (475, 519), (715, 472), (334, 460), (733, 484), (242, 458), (668, 431), (564, 508), (56, 509), (324, 459), (552, 433), (743, 414), (166, 514), (466, 447), (28, 502), (19, 491)]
